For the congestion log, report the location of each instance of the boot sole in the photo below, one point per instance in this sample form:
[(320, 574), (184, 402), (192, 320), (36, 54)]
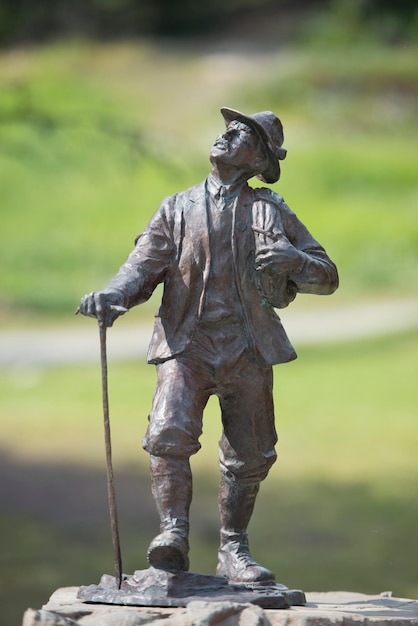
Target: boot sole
[(167, 558)]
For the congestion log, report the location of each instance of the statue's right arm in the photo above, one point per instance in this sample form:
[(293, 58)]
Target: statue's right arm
[(146, 266)]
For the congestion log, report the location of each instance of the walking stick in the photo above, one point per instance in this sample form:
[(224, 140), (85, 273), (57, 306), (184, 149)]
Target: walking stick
[(111, 494)]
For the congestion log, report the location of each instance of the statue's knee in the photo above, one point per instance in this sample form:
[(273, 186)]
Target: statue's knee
[(170, 442), (247, 473)]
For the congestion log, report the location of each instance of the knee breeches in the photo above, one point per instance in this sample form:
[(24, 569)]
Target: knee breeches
[(244, 389)]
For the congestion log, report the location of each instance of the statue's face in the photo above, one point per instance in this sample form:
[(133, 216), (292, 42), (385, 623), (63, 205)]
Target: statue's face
[(238, 145)]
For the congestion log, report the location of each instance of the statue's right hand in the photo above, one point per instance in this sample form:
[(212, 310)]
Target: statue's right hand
[(106, 306)]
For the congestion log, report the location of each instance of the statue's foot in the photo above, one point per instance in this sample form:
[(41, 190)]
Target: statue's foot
[(169, 551), (237, 565)]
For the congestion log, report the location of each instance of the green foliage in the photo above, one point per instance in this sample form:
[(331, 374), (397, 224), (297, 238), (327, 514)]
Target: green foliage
[(89, 147), (350, 22), (24, 20)]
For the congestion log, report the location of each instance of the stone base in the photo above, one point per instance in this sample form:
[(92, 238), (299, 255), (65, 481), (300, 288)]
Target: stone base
[(321, 609), (155, 587)]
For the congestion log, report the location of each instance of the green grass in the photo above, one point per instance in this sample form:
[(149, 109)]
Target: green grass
[(94, 136), (343, 398), (337, 511)]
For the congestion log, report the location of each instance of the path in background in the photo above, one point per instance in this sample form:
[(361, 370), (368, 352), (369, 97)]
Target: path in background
[(130, 341)]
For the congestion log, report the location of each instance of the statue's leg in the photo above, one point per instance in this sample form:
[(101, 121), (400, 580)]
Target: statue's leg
[(236, 504), (175, 425), (171, 484), (246, 455)]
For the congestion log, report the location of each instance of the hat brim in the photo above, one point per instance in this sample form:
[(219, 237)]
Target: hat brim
[(272, 173)]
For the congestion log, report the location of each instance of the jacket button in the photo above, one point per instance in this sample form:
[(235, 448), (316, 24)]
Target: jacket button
[(241, 226)]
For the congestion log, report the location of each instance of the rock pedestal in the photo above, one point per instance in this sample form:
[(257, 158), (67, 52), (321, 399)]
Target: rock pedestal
[(321, 609), (156, 587)]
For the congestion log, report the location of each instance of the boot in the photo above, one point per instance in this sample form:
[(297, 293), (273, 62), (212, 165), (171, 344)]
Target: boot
[(171, 485), (236, 503)]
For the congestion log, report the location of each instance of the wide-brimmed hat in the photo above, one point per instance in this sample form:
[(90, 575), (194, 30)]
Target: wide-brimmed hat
[(270, 130)]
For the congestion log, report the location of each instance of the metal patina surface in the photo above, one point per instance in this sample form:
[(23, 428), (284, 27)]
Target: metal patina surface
[(228, 255), (154, 587)]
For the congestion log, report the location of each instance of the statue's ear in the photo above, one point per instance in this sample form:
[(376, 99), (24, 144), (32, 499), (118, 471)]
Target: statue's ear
[(259, 164)]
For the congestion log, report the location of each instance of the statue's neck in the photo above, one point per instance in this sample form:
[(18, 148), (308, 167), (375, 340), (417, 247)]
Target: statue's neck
[(228, 176)]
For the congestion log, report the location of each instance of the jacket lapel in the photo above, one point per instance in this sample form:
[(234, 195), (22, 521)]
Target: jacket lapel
[(196, 233)]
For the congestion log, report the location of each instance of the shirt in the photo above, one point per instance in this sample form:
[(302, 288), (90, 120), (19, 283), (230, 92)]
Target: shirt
[(222, 300)]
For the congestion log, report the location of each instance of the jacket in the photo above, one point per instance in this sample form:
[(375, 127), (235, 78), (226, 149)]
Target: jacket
[(174, 249)]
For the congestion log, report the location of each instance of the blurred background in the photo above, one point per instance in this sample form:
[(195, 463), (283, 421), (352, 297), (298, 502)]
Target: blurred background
[(107, 106)]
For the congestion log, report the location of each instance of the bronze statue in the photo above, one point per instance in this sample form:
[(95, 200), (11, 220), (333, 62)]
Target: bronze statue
[(227, 255)]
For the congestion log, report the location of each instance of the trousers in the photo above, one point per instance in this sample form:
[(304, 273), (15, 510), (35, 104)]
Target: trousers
[(217, 362)]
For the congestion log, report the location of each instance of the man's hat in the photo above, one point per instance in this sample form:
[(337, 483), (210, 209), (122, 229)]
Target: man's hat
[(270, 130)]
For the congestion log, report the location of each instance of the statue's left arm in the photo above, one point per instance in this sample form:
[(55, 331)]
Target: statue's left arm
[(297, 255)]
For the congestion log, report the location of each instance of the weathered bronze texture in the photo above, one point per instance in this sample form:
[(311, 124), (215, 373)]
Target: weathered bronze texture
[(111, 495), (228, 255), (155, 587)]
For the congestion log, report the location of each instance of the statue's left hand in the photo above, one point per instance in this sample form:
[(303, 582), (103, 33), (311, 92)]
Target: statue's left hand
[(278, 258)]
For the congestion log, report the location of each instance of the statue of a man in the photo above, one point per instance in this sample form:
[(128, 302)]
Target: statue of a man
[(227, 255)]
